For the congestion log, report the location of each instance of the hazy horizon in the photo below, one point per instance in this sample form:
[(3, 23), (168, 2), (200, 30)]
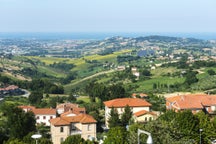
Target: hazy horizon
[(100, 35), (112, 16)]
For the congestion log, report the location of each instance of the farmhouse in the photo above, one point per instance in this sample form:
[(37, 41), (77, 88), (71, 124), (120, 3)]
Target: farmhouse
[(64, 126), (10, 90), (42, 115), (193, 102), (139, 107)]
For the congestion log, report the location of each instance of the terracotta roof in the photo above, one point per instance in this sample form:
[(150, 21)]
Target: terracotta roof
[(64, 105), (44, 111), (81, 118), (143, 112), (67, 113), (70, 106), (192, 101), (11, 87), (122, 102)]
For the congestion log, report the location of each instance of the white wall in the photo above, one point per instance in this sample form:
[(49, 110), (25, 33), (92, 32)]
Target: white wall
[(121, 111), (40, 119)]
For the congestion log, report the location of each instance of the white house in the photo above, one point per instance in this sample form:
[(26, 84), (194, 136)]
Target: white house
[(137, 105), (42, 115)]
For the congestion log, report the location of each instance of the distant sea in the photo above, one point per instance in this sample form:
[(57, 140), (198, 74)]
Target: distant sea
[(101, 35)]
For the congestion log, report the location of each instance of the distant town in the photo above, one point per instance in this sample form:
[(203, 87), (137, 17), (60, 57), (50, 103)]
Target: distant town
[(119, 90)]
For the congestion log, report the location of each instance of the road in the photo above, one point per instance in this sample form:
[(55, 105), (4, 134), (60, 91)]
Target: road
[(95, 75)]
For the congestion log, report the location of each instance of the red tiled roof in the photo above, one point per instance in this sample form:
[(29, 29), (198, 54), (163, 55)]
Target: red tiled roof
[(192, 101), (44, 111), (143, 112), (122, 102), (81, 118), (70, 106), (67, 113), (11, 87)]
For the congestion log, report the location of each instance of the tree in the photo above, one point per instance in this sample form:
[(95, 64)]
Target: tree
[(126, 116), (35, 97), (146, 72), (117, 91), (207, 126), (116, 135), (19, 123), (114, 118), (71, 98), (191, 78), (74, 139), (211, 72)]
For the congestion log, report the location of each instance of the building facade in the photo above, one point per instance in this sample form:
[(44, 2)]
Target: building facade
[(137, 105), (64, 126), (193, 102)]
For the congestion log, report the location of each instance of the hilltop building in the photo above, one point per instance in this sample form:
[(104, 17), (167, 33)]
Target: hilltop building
[(140, 108), (193, 102), (42, 115), (67, 119), (64, 126), (10, 90)]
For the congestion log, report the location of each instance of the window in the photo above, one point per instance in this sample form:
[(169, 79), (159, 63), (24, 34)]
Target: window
[(38, 117), (44, 117), (89, 127), (145, 118), (150, 119), (73, 127), (51, 117), (61, 129)]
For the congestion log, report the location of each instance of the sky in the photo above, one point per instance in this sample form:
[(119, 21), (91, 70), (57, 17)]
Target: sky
[(108, 16)]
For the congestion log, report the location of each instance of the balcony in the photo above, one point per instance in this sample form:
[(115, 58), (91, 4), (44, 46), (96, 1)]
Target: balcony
[(75, 132)]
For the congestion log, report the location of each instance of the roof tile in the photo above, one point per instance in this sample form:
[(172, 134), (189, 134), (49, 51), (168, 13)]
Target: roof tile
[(122, 102)]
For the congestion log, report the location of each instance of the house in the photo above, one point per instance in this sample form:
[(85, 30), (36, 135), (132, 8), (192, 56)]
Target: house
[(135, 72), (193, 102), (74, 108), (121, 68), (11, 90), (141, 95), (144, 116), (64, 126), (139, 107), (42, 115)]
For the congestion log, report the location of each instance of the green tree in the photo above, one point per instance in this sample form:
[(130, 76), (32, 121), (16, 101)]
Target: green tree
[(207, 126), (14, 141), (211, 72), (114, 118), (74, 139), (126, 116), (19, 123), (146, 72), (35, 97), (191, 78), (116, 135), (71, 98)]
